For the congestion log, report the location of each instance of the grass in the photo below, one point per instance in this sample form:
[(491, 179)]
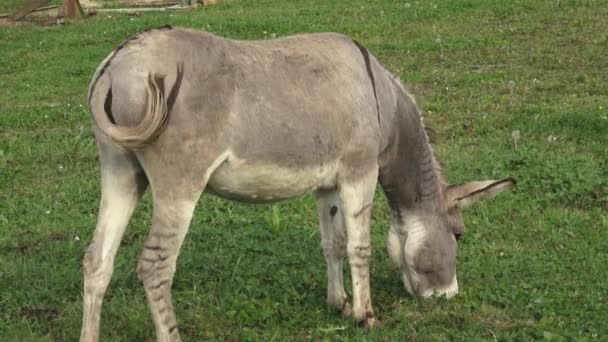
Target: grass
[(532, 264)]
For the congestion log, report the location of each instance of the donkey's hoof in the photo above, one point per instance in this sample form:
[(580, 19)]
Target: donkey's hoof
[(370, 323), (347, 310)]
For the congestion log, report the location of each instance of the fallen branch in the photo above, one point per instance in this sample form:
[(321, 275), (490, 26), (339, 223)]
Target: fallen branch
[(27, 9)]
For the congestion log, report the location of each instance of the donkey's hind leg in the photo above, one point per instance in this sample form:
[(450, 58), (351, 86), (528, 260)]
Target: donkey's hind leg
[(333, 242), (175, 190), (170, 221), (122, 183)]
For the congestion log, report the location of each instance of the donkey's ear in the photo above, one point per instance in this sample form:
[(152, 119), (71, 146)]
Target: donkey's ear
[(462, 196)]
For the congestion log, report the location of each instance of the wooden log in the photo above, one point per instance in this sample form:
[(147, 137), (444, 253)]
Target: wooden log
[(132, 10), (147, 3)]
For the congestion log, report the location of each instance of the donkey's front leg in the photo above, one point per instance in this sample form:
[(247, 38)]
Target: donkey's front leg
[(171, 219), (333, 242), (357, 197)]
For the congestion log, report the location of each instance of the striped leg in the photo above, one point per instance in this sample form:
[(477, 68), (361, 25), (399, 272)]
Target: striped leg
[(171, 219), (357, 200)]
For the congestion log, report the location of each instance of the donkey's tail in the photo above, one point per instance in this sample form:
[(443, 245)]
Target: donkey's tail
[(154, 120)]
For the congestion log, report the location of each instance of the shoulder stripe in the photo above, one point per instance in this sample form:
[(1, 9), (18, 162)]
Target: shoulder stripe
[(368, 66)]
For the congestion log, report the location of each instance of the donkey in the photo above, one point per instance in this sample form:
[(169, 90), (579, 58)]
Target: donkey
[(183, 112)]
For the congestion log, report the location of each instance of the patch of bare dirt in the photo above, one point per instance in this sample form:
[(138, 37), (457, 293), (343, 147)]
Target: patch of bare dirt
[(39, 313)]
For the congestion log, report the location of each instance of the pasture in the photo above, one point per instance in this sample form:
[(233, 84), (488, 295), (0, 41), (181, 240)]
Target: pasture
[(516, 88)]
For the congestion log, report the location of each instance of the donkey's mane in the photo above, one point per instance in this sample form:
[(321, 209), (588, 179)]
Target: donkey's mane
[(432, 137)]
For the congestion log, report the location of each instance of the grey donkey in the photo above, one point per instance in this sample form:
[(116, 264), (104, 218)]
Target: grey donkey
[(183, 112)]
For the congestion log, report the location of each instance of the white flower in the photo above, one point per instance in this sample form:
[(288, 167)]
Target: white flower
[(515, 135)]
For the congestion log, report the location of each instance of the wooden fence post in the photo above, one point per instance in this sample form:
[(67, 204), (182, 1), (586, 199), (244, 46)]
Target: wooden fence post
[(71, 9)]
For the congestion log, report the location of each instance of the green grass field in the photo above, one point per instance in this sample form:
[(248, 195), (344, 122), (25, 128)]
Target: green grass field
[(514, 88)]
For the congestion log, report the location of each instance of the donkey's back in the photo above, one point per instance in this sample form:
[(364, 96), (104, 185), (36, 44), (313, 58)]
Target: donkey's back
[(254, 110)]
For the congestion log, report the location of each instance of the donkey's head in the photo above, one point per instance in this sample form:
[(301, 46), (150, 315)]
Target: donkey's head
[(422, 242)]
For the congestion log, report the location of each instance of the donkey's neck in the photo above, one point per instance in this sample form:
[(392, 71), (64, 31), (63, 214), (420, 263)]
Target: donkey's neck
[(411, 175)]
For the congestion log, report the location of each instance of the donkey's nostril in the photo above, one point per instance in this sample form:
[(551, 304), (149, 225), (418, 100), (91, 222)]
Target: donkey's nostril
[(458, 236)]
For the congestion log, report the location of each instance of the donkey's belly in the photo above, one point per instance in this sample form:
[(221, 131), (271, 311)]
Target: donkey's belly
[(262, 182)]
